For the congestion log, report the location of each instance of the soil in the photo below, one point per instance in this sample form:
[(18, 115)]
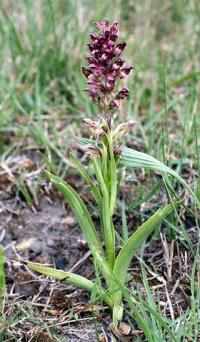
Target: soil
[(49, 235)]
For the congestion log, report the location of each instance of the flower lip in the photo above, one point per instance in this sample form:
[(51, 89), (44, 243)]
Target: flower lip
[(114, 104), (119, 48)]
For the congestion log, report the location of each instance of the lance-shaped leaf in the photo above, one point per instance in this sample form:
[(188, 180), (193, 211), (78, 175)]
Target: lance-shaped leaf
[(85, 222), (69, 277), (113, 179), (80, 211), (133, 158), (127, 252), (108, 229)]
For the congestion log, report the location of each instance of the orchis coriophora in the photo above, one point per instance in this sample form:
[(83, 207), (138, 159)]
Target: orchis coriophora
[(105, 69)]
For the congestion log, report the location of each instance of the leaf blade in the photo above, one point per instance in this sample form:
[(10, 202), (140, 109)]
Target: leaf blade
[(137, 238), (69, 277), (80, 211)]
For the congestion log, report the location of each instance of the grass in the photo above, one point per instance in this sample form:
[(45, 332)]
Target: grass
[(43, 45)]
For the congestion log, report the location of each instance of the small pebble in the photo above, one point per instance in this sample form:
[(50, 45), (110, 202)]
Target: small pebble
[(36, 247), (68, 221), (50, 242)]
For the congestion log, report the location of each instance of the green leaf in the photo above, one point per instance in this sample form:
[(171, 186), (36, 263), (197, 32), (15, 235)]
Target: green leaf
[(133, 158), (113, 179), (108, 229), (127, 252), (80, 211), (69, 277), (85, 223)]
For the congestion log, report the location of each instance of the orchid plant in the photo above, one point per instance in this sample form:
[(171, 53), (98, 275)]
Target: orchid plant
[(106, 68)]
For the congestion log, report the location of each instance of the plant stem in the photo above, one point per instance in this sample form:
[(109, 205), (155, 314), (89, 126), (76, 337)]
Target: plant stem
[(113, 176), (108, 231)]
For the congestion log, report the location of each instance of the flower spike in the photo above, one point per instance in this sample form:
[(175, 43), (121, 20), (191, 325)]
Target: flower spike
[(106, 67)]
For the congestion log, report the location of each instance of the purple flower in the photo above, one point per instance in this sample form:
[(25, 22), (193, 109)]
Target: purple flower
[(119, 48), (114, 104), (124, 92), (105, 67), (95, 128), (125, 71), (86, 72)]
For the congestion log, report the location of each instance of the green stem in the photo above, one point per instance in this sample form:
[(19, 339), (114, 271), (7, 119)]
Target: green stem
[(108, 231), (113, 176), (105, 164)]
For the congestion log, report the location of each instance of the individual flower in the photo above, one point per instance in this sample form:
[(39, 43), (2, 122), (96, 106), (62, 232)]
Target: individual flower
[(95, 128), (122, 94), (106, 67), (123, 128)]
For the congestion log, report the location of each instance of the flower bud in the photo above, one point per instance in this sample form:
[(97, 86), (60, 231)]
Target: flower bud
[(114, 104), (98, 133), (118, 150), (90, 123)]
